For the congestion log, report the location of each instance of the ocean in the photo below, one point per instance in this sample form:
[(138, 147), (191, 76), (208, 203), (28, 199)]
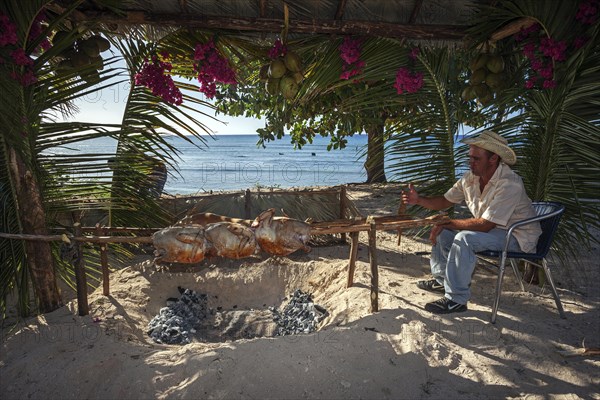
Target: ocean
[(235, 162)]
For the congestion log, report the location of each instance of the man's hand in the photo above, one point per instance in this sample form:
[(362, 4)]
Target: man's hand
[(411, 196), (435, 231)]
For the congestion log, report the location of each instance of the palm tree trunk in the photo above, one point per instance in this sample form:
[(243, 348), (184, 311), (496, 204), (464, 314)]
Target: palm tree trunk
[(33, 221), (375, 164)]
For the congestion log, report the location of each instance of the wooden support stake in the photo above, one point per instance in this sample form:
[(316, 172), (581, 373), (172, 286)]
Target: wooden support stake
[(247, 204), (374, 271), (80, 280), (401, 212), (352, 261), (343, 209), (104, 262)]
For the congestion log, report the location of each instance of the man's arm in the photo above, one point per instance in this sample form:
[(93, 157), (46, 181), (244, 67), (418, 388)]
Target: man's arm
[(432, 203), (469, 224)]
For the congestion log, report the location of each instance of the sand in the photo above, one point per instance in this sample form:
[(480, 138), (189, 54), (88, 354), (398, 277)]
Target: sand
[(401, 351)]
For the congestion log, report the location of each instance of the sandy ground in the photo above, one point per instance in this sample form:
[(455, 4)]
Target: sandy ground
[(401, 351)]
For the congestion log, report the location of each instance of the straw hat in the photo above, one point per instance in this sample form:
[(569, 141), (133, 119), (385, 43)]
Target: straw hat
[(495, 143)]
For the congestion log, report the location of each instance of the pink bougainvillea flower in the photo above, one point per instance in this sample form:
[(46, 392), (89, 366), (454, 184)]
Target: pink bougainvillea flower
[(536, 64), (529, 84), (529, 50), (8, 31), (549, 84), (588, 12), (278, 49), (553, 49), (25, 79), (407, 81), (352, 70), (350, 50), (20, 58), (414, 52), (152, 75), (212, 68), (546, 72)]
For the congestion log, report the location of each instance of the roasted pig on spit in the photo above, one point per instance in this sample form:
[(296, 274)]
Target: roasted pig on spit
[(180, 244), (280, 236), (231, 240), (210, 218)]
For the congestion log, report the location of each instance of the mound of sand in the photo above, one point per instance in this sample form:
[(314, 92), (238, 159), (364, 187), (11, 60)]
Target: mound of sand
[(401, 351)]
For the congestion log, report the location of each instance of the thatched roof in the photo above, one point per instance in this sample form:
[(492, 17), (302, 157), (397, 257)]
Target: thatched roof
[(432, 20)]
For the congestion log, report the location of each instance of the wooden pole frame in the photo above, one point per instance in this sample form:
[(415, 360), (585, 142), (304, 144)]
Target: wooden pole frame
[(371, 225)]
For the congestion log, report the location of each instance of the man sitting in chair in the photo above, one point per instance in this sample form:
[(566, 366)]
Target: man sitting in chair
[(496, 197)]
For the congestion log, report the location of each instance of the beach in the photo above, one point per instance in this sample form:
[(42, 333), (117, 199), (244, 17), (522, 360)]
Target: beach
[(398, 352)]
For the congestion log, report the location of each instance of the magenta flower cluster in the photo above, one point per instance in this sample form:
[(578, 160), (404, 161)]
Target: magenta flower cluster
[(212, 68), (407, 81), (153, 76), (588, 12), (8, 31), (350, 51), (544, 53), (21, 66), (278, 49)]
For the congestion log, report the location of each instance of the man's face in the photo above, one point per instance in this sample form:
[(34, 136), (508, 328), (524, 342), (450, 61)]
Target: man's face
[(480, 160)]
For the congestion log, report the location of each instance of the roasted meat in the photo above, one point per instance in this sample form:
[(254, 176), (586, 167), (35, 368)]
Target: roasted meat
[(210, 218), (280, 235), (231, 240), (180, 244)]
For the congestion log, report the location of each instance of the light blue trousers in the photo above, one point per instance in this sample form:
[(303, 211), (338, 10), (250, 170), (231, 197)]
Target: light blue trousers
[(453, 258)]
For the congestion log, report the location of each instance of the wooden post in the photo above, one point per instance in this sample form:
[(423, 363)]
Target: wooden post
[(247, 204), (373, 260), (352, 261), (343, 209), (80, 280), (104, 262), (401, 211)]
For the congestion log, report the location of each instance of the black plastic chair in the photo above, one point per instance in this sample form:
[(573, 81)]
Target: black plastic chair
[(548, 215)]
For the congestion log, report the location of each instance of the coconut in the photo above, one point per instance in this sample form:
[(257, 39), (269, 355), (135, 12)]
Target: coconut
[(478, 76), (289, 87), (481, 90), (272, 85), (97, 62), (277, 68), (468, 93), (478, 62), (298, 77), (487, 99), (89, 47), (495, 81), (64, 67), (91, 77), (80, 59), (292, 61), (495, 64), (102, 43)]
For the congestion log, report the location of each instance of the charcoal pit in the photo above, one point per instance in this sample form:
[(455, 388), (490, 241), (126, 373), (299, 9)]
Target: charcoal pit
[(225, 304)]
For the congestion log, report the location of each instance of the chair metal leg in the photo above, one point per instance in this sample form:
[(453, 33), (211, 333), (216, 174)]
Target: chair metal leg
[(553, 287), (515, 269), (498, 287)]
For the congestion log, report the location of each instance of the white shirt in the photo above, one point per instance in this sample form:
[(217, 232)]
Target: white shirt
[(503, 202)]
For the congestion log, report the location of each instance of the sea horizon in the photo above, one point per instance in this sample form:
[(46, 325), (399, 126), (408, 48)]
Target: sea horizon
[(229, 162)]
